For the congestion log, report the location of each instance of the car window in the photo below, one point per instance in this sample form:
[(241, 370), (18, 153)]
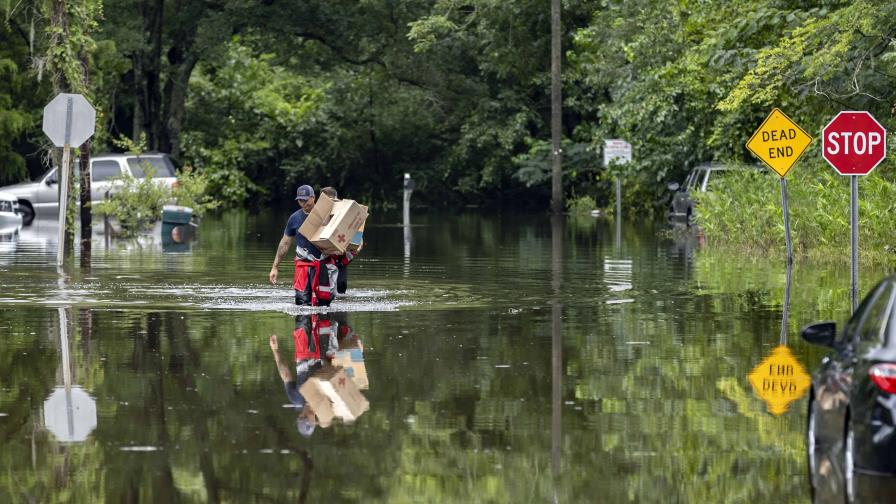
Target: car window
[(862, 321), (162, 166), (5, 206), (104, 170), (874, 322), (50, 176), (705, 183), (695, 177)]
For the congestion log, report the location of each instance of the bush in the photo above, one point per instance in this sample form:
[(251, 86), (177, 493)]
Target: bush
[(743, 210), (583, 205), (138, 203), (192, 191)]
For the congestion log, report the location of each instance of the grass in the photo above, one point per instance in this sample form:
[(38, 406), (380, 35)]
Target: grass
[(742, 212)]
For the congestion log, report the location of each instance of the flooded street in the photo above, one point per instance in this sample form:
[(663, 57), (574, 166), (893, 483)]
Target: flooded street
[(509, 358)]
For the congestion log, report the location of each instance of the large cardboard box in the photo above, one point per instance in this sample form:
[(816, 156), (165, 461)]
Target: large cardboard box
[(332, 394), (332, 225), (352, 361)]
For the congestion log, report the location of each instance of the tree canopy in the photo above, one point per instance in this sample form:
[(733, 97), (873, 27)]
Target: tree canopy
[(263, 95)]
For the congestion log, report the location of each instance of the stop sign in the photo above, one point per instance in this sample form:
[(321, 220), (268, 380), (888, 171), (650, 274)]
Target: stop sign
[(854, 143)]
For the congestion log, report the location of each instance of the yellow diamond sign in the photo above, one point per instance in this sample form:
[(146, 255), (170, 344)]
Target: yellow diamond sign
[(779, 142), (779, 380)]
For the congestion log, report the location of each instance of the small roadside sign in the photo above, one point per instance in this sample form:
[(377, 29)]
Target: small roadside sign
[(618, 151), (779, 380), (69, 119), (779, 142)]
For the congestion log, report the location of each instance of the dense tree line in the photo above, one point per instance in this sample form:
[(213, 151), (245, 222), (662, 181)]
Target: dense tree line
[(262, 94)]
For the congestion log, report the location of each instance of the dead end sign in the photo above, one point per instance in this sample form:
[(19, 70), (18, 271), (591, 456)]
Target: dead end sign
[(779, 142)]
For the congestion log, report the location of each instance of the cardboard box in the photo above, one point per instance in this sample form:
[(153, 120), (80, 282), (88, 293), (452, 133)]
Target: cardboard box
[(332, 225), (352, 361), (358, 241), (332, 394)]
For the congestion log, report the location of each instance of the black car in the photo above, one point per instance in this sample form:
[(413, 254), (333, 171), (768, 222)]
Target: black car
[(851, 432)]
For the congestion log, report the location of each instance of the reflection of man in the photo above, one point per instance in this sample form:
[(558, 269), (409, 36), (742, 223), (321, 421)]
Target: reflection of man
[(314, 342), (307, 260)]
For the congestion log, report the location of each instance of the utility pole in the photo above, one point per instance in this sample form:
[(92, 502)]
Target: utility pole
[(556, 110)]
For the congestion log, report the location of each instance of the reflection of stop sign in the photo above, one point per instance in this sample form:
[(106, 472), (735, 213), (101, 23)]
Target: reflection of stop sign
[(854, 143)]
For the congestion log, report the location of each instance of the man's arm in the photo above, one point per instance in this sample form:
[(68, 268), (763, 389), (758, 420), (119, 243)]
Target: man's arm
[(282, 249), (283, 369)]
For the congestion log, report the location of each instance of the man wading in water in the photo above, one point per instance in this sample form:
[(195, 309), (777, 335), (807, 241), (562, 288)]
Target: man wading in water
[(308, 257)]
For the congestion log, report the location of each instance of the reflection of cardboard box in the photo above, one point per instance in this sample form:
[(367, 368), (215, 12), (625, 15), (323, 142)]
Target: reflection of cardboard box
[(332, 225), (358, 240), (353, 363), (332, 394)]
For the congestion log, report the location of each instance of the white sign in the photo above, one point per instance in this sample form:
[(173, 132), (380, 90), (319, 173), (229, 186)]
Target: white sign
[(69, 120), (618, 151), (70, 415)]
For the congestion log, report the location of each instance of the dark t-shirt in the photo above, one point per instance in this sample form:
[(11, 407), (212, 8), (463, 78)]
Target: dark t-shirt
[(292, 230)]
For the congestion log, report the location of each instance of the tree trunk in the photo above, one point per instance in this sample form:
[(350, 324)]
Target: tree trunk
[(148, 74), (86, 213), (556, 112), (175, 101)]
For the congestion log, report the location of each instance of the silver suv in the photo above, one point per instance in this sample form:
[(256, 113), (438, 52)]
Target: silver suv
[(106, 170)]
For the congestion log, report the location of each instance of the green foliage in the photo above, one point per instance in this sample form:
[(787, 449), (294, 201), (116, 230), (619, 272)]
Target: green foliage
[(254, 112), (743, 211), (583, 205), (193, 190), (136, 204)]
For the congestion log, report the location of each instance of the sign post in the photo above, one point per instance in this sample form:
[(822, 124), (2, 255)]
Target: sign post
[(779, 143), (854, 143), (68, 120), (620, 152)]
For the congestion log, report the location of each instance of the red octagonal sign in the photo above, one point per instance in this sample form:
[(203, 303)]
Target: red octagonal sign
[(854, 143)]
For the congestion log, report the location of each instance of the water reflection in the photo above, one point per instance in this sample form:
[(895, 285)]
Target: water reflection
[(329, 372), (508, 380), (69, 413)]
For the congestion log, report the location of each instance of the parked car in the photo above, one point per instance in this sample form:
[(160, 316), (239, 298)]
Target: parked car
[(851, 421), (681, 208), (9, 211), (42, 196)]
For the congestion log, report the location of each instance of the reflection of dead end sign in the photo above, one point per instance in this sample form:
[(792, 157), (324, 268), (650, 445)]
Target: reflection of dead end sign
[(70, 415), (779, 142), (779, 380)]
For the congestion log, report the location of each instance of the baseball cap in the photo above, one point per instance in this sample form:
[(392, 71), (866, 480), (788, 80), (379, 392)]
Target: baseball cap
[(304, 192), (305, 426)]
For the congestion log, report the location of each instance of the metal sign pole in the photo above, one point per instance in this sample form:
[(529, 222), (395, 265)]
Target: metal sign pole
[(785, 315), (854, 236), (63, 180), (786, 208)]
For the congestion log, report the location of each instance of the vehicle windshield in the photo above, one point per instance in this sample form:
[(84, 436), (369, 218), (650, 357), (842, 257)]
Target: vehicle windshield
[(48, 175), (162, 166), (696, 178)]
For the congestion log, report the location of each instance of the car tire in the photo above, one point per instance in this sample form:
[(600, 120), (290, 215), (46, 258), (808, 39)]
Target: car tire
[(811, 444), (26, 211), (849, 480)]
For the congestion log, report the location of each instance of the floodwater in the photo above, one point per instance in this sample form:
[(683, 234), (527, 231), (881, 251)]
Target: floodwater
[(510, 358)]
